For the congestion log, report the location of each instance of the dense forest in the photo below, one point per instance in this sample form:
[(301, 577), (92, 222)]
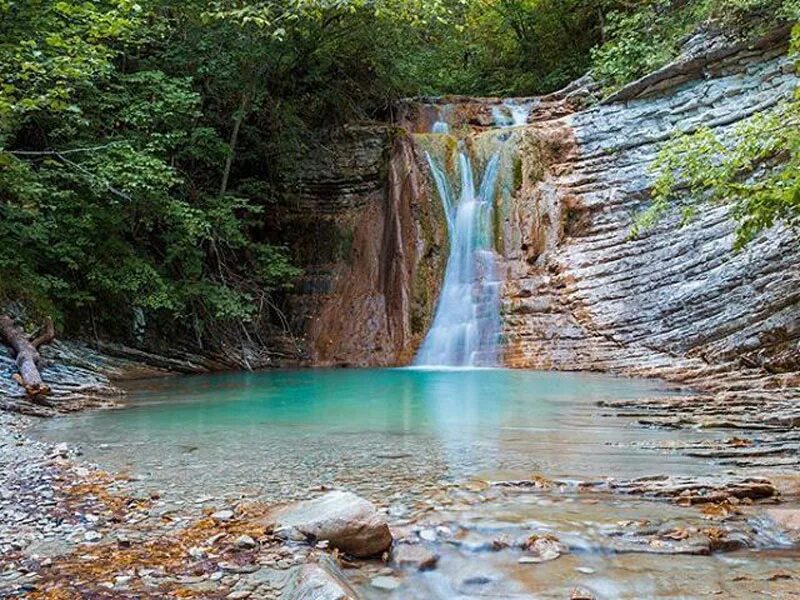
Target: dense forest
[(143, 142)]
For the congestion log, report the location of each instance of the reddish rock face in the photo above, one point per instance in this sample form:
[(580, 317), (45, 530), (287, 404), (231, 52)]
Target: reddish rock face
[(383, 294), (372, 239)]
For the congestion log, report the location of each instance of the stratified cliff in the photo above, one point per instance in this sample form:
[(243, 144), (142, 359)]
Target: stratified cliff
[(372, 239), (677, 302)]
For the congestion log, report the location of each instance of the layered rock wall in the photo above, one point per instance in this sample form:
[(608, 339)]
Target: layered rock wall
[(372, 240), (580, 294), (677, 302)]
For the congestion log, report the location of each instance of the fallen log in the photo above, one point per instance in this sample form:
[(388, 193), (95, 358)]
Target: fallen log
[(26, 354)]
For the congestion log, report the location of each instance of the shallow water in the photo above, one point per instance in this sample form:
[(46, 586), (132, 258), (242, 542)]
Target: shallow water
[(280, 433), (403, 436)]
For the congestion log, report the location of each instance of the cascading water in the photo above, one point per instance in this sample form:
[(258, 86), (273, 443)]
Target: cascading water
[(466, 326), (511, 113)]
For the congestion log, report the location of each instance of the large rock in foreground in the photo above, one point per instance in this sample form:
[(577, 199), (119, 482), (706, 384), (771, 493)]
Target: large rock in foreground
[(348, 522)]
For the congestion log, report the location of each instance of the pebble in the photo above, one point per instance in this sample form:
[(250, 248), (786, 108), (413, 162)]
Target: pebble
[(222, 515), (245, 542), (384, 582), (92, 536)]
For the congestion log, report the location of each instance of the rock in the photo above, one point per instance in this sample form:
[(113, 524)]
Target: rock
[(92, 536), (416, 557), (245, 542), (321, 581), (347, 521), (384, 582), (542, 548), (788, 519), (234, 568), (477, 580), (240, 595), (222, 515), (581, 594), (61, 449)]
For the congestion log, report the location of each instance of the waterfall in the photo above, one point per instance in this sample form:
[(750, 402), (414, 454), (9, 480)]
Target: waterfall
[(440, 127), (466, 325), (511, 113)]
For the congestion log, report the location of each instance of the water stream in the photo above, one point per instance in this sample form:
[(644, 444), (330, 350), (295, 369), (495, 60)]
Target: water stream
[(423, 444), (466, 326)]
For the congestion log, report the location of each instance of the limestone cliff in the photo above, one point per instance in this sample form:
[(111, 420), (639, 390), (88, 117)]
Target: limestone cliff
[(676, 302), (373, 242)]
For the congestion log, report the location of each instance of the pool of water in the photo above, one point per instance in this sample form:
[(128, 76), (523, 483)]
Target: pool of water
[(276, 434), (403, 436)]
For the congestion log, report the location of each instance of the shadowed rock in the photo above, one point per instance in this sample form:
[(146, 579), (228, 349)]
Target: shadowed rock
[(415, 557)]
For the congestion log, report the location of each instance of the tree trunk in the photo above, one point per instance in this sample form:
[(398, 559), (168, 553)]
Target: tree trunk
[(237, 124), (27, 355)]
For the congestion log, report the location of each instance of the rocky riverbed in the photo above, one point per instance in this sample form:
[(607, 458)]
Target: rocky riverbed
[(71, 530)]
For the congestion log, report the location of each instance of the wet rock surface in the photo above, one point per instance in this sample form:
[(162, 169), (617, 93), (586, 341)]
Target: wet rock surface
[(414, 556), (319, 581), (343, 519), (99, 535), (582, 294)]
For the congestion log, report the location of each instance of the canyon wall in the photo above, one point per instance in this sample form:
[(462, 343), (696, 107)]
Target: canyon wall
[(372, 238), (677, 301)]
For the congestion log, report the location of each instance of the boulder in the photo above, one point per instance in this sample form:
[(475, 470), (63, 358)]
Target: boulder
[(348, 522), (318, 581)]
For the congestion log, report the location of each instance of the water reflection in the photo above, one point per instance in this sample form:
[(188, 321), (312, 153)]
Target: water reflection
[(340, 427)]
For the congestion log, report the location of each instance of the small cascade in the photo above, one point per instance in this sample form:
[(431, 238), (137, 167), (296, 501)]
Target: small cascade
[(519, 113), (466, 326), (440, 127), (511, 113)]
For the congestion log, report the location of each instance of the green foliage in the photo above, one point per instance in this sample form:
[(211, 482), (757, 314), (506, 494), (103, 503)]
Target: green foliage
[(639, 38), (51, 50), (100, 209), (143, 143), (503, 47), (756, 169)]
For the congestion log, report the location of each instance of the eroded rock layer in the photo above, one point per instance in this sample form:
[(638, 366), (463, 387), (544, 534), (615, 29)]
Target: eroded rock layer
[(676, 302), (372, 239), (580, 294)]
